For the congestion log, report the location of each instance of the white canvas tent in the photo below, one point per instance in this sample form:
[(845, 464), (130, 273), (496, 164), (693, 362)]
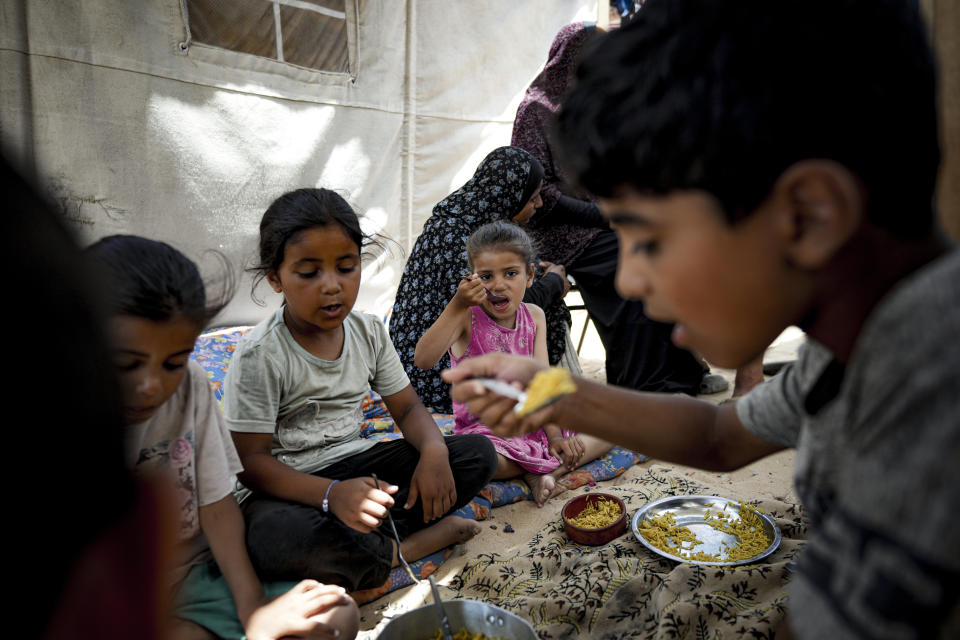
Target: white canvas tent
[(133, 126)]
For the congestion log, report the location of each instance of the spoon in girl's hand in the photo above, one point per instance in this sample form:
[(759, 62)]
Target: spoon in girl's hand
[(494, 298)]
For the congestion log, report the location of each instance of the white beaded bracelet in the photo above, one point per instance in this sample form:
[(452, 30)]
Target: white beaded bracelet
[(326, 497)]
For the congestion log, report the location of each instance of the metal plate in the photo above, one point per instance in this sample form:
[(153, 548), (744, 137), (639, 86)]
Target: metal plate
[(689, 511)]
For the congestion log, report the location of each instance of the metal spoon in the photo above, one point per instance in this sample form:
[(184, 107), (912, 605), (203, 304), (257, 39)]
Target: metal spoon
[(396, 537), (445, 631)]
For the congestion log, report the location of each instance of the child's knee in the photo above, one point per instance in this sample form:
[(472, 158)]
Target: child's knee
[(271, 522), (506, 468), (478, 452)]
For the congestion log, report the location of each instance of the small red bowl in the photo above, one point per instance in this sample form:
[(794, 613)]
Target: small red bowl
[(603, 535)]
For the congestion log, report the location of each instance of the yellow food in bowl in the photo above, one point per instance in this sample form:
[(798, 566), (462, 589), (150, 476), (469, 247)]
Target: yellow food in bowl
[(545, 386), (597, 515)]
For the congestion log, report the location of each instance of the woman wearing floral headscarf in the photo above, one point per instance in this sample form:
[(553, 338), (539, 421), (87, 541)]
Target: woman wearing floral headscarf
[(570, 230), (506, 185)]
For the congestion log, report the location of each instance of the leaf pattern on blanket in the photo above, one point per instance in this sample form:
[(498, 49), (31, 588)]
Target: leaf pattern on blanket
[(622, 590)]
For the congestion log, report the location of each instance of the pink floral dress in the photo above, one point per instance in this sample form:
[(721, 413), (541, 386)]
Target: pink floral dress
[(531, 451)]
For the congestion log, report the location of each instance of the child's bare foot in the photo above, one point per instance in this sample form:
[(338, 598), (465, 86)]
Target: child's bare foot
[(542, 485), (447, 531)]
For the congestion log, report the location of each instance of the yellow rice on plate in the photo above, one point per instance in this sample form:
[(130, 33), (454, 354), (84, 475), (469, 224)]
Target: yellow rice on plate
[(663, 533)]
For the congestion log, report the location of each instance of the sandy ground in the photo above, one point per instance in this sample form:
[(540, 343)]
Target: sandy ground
[(770, 478)]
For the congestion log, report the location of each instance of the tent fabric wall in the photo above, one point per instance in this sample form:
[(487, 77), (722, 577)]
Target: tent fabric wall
[(130, 131)]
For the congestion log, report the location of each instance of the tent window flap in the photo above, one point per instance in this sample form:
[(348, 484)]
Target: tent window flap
[(307, 33)]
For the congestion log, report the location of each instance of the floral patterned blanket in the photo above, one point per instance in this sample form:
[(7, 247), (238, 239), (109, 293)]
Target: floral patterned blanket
[(622, 590)]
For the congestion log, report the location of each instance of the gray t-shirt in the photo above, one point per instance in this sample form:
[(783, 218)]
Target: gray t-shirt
[(186, 443), (313, 407), (878, 442)]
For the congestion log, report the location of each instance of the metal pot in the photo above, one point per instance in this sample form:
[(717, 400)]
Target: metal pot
[(474, 616)]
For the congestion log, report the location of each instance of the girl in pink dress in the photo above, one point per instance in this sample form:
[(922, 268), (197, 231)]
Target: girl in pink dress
[(487, 315)]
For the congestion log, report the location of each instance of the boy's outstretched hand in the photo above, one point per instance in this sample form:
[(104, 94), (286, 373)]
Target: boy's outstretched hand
[(432, 482), (299, 612), (359, 504), (494, 410)]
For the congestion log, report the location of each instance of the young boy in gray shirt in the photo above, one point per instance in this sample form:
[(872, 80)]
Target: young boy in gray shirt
[(768, 164)]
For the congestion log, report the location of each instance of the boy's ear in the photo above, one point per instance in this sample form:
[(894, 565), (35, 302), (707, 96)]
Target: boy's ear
[(823, 209), (274, 281)]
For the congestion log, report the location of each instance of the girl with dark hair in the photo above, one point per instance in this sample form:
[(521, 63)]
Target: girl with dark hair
[(303, 209), (94, 564), (175, 432), (506, 186), (488, 315), (293, 399)]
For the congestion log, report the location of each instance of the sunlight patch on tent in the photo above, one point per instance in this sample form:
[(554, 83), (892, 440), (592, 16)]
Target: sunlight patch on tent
[(347, 168), (283, 136)]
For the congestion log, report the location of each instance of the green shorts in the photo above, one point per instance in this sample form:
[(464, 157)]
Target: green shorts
[(205, 599)]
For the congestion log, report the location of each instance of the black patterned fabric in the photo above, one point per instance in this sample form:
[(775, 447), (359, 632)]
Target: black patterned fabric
[(498, 190)]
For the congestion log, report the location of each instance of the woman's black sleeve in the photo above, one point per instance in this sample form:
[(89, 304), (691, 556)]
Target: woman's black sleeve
[(580, 213), (544, 290)]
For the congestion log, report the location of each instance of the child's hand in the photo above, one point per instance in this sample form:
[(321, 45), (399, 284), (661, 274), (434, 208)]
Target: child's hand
[(359, 504), (298, 612), (568, 451), (432, 482), (470, 292)]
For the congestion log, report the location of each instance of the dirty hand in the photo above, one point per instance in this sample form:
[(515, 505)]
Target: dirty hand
[(295, 613), (470, 292), (359, 504), (568, 451), (494, 410), (432, 482)]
